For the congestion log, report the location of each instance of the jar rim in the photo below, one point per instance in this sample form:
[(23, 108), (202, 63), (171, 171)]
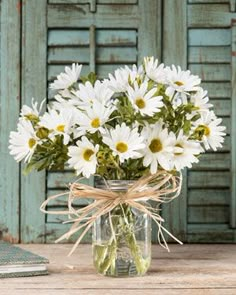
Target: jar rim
[(115, 184)]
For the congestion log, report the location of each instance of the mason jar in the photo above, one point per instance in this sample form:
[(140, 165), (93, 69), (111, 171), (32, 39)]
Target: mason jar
[(122, 237)]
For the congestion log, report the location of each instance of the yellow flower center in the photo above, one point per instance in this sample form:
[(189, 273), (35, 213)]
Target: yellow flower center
[(179, 83), (122, 147), (204, 130), (95, 123), (87, 154), (155, 145), (140, 103), (60, 128), (207, 130), (178, 145), (31, 143)]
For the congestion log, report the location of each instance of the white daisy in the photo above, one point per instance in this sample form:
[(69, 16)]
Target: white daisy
[(67, 79), (83, 157), (32, 113), (185, 152), (89, 93), (23, 142), (144, 101), (124, 142), (92, 119), (180, 83), (124, 77), (200, 100), (154, 71), (59, 123), (212, 134), (159, 148), (61, 103)]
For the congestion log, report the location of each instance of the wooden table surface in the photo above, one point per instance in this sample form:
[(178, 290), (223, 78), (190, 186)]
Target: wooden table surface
[(188, 269)]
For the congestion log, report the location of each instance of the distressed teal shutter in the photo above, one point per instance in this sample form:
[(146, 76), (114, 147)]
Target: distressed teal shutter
[(205, 43), (9, 110), (39, 38)]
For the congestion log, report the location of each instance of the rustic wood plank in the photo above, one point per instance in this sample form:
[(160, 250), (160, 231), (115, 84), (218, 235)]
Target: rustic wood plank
[(208, 197), (88, 1), (208, 15), (209, 179), (149, 29), (208, 1), (175, 32), (210, 233), (212, 72), (222, 107), (9, 111), (233, 130), (82, 55), (226, 121), (34, 85), (62, 179), (218, 90), (215, 161), (189, 273), (104, 37), (209, 37), (210, 54), (56, 230), (227, 144), (208, 214), (106, 16), (63, 200)]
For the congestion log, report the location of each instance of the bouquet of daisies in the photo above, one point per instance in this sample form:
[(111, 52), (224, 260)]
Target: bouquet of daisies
[(135, 122)]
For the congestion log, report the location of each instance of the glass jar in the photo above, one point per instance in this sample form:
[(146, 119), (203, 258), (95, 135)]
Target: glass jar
[(121, 238)]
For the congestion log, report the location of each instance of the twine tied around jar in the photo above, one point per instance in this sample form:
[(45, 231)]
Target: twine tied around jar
[(161, 187)]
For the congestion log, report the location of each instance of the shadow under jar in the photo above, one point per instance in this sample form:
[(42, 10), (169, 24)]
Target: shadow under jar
[(122, 238)]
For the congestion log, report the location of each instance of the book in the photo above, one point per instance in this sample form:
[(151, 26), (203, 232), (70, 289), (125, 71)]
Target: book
[(17, 262)]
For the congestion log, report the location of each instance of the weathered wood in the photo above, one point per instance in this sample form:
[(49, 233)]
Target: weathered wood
[(56, 230), (187, 269), (233, 130), (208, 197), (208, 214), (215, 161), (209, 37), (149, 29), (222, 107), (217, 54), (9, 111), (63, 201), (227, 144), (34, 84), (106, 16), (212, 72), (208, 15), (218, 90), (62, 179), (82, 55), (226, 121), (104, 37), (175, 36), (210, 233), (209, 179), (89, 1), (208, 1)]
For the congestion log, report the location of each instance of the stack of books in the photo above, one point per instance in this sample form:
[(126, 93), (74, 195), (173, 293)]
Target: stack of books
[(16, 262)]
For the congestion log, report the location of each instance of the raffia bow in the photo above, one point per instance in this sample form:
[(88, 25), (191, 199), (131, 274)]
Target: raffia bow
[(161, 187)]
